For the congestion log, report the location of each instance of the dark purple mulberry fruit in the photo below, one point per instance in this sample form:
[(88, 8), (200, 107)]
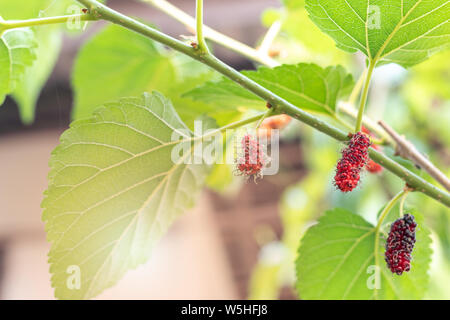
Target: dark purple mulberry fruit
[(400, 244)]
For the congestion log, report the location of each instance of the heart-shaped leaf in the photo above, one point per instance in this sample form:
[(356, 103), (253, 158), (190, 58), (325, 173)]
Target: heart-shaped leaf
[(113, 191)]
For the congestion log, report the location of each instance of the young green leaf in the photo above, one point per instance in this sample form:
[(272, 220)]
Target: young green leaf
[(17, 52), (307, 86), (48, 40), (405, 32), (337, 261), (114, 191)]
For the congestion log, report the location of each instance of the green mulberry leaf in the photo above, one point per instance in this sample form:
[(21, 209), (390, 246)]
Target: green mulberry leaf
[(114, 191), (405, 32), (337, 261), (17, 53)]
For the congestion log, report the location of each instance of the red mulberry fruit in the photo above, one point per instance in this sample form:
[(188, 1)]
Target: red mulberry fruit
[(354, 158), (372, 166), (251, 162), (400, 244)]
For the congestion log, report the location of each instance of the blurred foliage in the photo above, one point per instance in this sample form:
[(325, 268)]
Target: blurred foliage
[(300, 39), (17, 54), (222, 177), (48, 39), (121, 54)]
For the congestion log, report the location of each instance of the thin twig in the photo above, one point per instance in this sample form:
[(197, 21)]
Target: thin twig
[(212, 34), (407, 150), (269, 38), (348, 109), (202, 46)]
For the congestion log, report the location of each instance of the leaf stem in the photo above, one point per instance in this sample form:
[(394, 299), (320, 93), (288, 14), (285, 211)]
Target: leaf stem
[(388, 208), (202, 46), (13, 24), (279, 104), (266, 114), (402, 201), (357, 88), (364, 94), (242, 122), (270, 37), (348, 109)]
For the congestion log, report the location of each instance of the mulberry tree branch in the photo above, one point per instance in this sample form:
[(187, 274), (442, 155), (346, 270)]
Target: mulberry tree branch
[(279, 104)]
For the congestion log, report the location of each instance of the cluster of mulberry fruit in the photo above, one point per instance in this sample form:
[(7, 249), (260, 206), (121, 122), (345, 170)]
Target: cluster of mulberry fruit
[(400, 244), (251, 162), (354, 159)]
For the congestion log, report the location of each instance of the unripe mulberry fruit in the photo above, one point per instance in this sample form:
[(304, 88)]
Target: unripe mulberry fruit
[(275, 122), (252, 160), (373, 167), (354, 158), (400, 244)]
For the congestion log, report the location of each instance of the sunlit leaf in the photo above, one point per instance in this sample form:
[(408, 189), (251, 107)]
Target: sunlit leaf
[(114, 191), (400, 31)]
